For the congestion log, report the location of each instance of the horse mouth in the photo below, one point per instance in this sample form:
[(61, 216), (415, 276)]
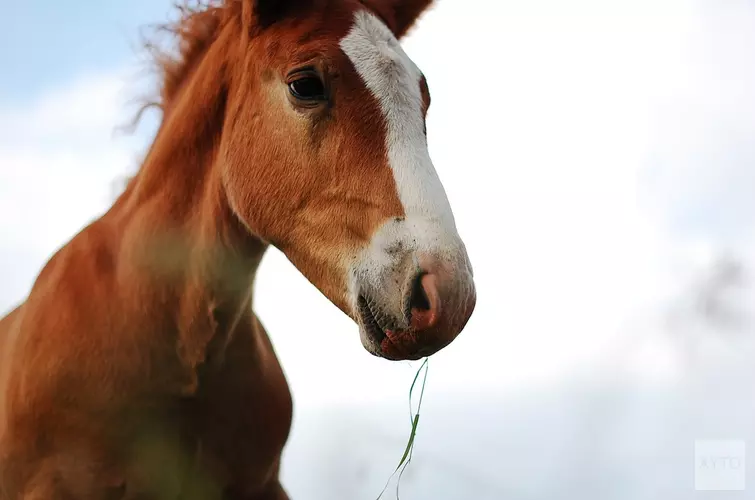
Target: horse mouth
[(373, 320), (385, 338)]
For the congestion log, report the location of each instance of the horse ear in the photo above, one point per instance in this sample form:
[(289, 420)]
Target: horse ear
[(400, 14)]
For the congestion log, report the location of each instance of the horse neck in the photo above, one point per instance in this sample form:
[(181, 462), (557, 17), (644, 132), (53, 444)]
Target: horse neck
[(180, 238)]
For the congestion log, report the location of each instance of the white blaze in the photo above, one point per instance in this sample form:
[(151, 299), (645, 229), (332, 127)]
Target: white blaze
[(395, 81), (429, 225)]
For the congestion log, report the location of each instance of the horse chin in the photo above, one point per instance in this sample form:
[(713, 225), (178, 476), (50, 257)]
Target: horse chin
[(393, 345), (402, 347)]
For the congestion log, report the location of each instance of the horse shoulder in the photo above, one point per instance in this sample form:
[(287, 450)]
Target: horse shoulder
[(71, 367)]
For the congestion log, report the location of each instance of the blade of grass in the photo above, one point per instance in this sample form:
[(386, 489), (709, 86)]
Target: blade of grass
[(411, 389), (414, 427), (407, 456)]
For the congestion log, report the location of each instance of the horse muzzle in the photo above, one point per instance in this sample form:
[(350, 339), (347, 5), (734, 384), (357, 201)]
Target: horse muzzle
[(417, 307)]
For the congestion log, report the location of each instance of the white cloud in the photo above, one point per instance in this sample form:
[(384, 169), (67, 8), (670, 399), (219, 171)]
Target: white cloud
[(59, 160), (87, 107)]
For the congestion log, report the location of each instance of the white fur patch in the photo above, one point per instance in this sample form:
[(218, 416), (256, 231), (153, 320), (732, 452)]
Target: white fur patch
[(394, 80)]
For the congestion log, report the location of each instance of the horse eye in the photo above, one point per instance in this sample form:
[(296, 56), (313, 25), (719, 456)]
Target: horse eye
[(308, 88)]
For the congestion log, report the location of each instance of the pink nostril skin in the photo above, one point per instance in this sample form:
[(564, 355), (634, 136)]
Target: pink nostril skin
[(425, 303), (441, 302)]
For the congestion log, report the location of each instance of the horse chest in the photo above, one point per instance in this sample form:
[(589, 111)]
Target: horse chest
[(243, 412)]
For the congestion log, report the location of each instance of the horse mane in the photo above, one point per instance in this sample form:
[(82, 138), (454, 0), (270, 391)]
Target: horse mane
[(199, 23), (171, 62)]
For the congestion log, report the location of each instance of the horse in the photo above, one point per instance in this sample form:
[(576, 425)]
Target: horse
[(136, 367)]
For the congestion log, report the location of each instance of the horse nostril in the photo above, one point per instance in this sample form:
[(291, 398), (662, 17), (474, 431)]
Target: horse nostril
[(424, 302), (418, 299)]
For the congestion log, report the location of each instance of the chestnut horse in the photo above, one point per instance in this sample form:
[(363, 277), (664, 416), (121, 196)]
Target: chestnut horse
[(136, 368)]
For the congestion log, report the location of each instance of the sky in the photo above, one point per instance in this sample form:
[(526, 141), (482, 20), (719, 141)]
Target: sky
[(599, 161)]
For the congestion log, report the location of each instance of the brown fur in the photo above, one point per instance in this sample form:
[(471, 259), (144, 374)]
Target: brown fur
[(136, 367), (399, 15)]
